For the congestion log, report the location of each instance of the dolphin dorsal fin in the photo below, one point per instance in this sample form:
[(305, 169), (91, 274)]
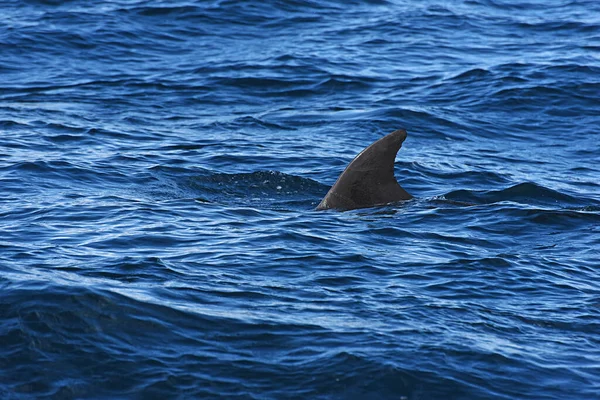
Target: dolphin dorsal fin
[(369, 179)]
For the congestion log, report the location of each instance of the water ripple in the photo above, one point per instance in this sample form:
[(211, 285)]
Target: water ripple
[(160, 166)]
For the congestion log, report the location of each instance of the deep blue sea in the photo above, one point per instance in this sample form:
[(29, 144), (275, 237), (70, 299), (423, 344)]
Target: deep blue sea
[(160, 165)]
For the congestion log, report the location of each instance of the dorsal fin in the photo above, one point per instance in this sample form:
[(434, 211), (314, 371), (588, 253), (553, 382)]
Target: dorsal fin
[(369, 179)]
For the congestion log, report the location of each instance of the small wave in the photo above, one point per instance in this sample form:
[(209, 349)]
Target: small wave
[(437, 122), (449, 172), (347, 375), (557, 26), (267, 86), (565, 218), (66, 176), (10, 124), (180, 11), (345, 82), (524, 193), (263, 189), (472, 74), (262, 186), (260, 123)]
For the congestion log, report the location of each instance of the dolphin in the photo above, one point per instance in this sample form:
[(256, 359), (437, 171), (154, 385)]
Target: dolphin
[(369, 179)]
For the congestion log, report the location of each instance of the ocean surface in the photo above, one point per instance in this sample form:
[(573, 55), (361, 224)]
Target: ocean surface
[(160, 163)]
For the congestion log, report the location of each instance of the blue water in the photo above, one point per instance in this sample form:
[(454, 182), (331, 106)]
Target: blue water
[(160, 162)]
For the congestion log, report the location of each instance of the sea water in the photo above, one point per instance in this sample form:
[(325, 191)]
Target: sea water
[(160, 162)]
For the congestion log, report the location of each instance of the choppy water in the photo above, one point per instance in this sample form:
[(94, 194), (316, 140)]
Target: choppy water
[(160, 163)]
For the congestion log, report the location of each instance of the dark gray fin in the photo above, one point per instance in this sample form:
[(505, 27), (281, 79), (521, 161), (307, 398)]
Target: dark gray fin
[(369, 179)]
